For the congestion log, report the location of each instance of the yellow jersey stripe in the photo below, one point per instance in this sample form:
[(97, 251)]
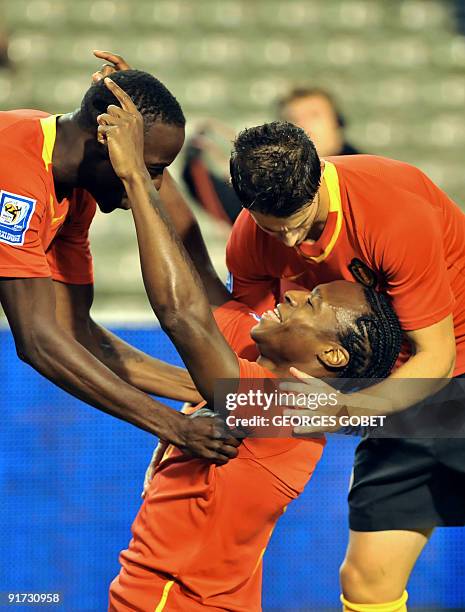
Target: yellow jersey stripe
[(164, 598), (49, 130), (335, 205)]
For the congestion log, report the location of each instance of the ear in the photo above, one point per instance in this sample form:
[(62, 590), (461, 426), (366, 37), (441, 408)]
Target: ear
[(334, 356)]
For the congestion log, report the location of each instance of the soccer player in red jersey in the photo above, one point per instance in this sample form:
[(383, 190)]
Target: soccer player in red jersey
[(53, 171), (202, 530), (310, 221)]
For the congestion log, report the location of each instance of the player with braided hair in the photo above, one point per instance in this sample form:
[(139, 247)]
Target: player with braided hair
[(344, 216), (388, 224), (373, 340), (200, 535)]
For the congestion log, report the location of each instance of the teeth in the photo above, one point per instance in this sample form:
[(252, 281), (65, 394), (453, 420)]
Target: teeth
[(271, 314)]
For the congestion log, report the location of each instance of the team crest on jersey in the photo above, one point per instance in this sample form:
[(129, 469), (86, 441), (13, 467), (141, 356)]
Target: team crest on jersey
[(15, 215), (362, 273)]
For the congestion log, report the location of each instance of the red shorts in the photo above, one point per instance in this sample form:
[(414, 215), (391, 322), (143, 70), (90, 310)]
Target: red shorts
[(150, 593)]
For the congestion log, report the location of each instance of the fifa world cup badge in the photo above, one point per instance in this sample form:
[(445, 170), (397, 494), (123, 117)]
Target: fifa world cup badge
[(15, 215)]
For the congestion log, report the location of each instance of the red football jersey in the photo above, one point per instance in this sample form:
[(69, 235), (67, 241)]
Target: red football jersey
[(39, 236), (387, 214), (200, 535)]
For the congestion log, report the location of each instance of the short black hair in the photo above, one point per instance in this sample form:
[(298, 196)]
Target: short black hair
[(275, 168), (373, 341), (153, 100)]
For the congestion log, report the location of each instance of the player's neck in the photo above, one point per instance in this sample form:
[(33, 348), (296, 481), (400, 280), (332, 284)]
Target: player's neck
[(322, 214), (68, 155), (281, 370)]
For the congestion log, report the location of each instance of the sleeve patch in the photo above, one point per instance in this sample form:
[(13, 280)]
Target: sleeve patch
[(230, 282), (15, 215)]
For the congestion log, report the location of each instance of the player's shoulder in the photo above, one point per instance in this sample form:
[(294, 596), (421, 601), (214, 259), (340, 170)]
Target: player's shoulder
[(374, 164), (380, 175), (235, 321), (21, 140), (21, 120), (244, 227), (378, 185), (233, 308), (248, 244)]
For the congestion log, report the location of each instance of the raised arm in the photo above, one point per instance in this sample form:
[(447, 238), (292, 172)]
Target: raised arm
[(187, 228), (181, 216), (174, 288), (135, 367)]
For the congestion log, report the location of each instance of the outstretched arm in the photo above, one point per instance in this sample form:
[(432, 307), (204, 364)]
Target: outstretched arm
[(73, 303), (30, 306), (174, 288)]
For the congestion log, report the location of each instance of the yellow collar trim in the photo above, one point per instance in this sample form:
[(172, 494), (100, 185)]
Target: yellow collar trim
[(49, 129), (331, 179)]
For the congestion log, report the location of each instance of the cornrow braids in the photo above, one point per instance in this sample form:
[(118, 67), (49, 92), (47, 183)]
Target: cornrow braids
[(374, 341), (275, 168)]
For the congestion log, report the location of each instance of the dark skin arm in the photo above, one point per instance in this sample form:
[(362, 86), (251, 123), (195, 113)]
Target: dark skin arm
[(33, 314), (174, 288), (187, 228), (182, 218), (73, 304), (30, 306), (135, 367)]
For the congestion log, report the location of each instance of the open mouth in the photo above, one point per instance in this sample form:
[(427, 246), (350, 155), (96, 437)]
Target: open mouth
[(273, 315)]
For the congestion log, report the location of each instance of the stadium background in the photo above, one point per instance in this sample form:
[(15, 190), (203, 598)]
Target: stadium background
[(71, 477)]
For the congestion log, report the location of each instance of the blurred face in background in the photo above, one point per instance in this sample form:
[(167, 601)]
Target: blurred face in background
[(316, 115)]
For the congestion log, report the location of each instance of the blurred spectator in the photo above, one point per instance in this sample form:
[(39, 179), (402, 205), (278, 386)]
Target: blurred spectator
[(206, 161), (4, 59), (460, 15), (314, 110), (206, 170)]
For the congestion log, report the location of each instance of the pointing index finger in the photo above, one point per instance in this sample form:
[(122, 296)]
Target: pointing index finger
[(117, 60), (125, 100)]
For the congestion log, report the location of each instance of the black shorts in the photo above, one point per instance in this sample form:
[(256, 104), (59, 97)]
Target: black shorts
[(408, 483)]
